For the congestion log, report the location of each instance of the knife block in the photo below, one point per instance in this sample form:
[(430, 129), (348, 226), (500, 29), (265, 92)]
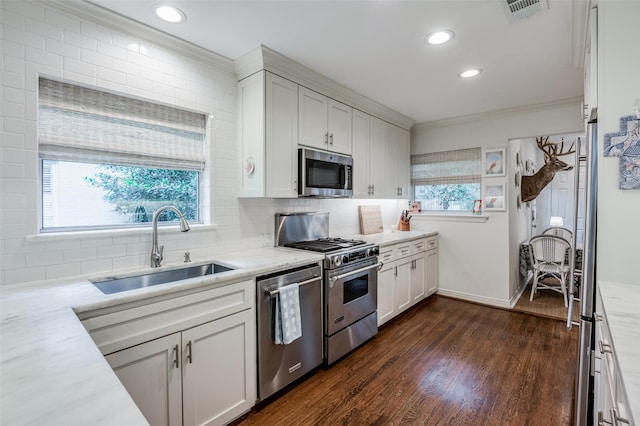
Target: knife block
[(404, 225)]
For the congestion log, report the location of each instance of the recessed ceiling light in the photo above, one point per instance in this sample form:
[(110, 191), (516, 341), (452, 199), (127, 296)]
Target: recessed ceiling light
[(439, 37), (470, 73), (170, 14)]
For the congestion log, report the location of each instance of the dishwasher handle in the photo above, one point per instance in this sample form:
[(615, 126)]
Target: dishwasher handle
[(272, 293)]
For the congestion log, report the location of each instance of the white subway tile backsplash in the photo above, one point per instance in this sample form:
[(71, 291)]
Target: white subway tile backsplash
[(39, 56), (94, 58), (96, 32), (59, 48), (111, 50), (12, 109), (80, 67), (76, 39), (80, 254), (12, 49), (53, 17), (14, 171), (22, 275), (44, 258), (41, 28), (12, 79), (97, 266), (63, 270)]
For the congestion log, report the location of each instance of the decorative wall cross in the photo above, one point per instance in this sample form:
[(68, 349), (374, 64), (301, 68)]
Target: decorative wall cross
[(625, 144)]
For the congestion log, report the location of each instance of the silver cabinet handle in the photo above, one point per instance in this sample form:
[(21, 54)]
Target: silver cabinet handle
[(176, 353), (605, 347), (357, 271), (615, 419), (189, 353), (326, 138), (331, 139), (395, 271), (295, 186), (272, 293)]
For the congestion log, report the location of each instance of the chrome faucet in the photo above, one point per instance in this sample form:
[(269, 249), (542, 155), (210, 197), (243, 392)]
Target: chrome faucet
[(156, 252)]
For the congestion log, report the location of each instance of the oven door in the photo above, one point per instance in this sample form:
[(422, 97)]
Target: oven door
[(352, 294)]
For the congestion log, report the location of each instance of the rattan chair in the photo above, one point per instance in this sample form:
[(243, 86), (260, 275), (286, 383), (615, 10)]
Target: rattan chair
[(559, 232), (549, 259)]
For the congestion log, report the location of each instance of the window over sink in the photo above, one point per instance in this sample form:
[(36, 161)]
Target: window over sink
[(448, 180), (110, 160)]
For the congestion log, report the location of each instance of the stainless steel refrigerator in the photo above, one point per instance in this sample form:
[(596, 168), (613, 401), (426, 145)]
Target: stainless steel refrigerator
[(586, 274)]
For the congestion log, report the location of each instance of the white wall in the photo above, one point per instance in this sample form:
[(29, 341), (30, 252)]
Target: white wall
[(38, 39), (479, 260), (618, 88)]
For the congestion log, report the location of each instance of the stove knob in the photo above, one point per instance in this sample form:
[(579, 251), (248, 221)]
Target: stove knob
[(373, 251), (345, 259), (337, 260)]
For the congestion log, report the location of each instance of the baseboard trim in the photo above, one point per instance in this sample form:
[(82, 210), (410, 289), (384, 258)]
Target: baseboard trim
[(499, 303)]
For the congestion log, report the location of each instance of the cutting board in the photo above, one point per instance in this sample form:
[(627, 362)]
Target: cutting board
[(370, 219)]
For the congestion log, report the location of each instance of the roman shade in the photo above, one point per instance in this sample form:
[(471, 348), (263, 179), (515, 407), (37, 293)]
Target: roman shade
[(447, 167), (82, 124)]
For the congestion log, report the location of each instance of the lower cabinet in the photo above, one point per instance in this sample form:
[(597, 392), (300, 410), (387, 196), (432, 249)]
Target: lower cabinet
[(201, 376), (409, 274), (611, 406)]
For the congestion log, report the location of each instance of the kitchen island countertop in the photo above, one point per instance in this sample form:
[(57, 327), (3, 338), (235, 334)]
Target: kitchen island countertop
[(51, 371)]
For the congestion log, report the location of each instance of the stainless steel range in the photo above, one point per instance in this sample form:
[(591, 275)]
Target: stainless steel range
[(350, 280)]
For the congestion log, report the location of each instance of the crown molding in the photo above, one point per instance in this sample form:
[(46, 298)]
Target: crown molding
[(265, 58), (94, 13), (500, 113)]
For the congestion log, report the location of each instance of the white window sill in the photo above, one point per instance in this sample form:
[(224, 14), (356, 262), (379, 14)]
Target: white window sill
[(451, 217), (107, 233)]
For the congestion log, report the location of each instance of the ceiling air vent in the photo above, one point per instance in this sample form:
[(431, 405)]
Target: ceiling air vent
[(519, 9)]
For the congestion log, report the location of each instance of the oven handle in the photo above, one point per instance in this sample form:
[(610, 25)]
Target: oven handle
[(366, 268), (272, 293)]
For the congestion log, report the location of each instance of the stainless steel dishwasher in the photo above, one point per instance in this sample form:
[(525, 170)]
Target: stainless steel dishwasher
[(281, 365)]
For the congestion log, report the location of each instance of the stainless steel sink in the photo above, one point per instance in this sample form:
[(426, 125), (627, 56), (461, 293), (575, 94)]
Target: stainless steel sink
[(116, 285)]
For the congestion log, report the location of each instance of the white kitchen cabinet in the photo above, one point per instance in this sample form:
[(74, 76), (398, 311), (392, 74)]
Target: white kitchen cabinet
[(408, 275), (268, 136), (201, 376), (611, 405), (397, 162), (324, 123), (431, 265), (151, 373), (189, 359), (369, 156)]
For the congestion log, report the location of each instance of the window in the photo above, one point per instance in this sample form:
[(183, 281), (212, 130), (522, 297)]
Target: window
[(448, 180), (112, 160)]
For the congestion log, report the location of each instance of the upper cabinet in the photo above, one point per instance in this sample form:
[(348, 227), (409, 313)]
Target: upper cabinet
[(323, 122), (268, 134), (397, 162)]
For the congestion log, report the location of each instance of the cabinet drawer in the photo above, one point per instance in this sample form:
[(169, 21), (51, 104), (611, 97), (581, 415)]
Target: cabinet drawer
[(418, 246), (403, 250), (119, 330), (387, 254), (431, 243)]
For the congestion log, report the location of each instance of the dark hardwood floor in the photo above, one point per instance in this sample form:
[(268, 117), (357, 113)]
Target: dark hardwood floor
[(446, 362)]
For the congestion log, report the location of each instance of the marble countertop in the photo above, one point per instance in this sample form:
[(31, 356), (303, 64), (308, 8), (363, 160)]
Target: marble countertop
[(392, 237), (51, 372), (620, 303)]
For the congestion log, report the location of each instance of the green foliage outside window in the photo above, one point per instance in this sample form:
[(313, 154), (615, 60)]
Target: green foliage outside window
[(448, 197), (137, 192)]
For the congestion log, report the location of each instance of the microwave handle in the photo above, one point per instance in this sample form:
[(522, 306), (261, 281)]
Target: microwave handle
[(343, 175)]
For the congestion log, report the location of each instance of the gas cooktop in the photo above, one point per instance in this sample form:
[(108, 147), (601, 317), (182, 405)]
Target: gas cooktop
[(326, 245)]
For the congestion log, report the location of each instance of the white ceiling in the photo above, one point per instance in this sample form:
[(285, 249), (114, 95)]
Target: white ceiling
[(376, 48)]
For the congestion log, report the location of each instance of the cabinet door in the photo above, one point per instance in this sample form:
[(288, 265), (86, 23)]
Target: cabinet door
[(378, 158), (404, 163), (418, 291), (386, 285), (312, 118), (151, 374), (431, 271), (219, 374), (391, 162), (402, 293), (361, 137), (281, 132), (339, 123)]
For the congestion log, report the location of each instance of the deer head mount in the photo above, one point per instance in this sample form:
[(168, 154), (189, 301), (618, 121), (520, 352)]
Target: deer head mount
[(532, 185)]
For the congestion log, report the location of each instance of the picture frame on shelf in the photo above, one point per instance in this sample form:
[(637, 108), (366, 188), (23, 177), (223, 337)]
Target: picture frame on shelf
[(477, 207), (494, 197), (494, 162)]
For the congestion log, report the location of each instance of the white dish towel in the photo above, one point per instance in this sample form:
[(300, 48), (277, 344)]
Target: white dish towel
[(288, 326)]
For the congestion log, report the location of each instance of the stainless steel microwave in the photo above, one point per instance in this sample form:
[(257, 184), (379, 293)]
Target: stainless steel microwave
[(324, 174)]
